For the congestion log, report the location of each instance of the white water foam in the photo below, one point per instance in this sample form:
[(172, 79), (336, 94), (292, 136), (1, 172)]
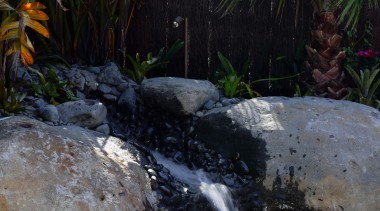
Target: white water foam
[(217, 194)]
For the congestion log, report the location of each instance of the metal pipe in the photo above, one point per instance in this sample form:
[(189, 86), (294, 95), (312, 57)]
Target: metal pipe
[(176, 23)]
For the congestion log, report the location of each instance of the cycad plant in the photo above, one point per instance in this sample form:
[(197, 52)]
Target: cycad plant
[(325, 57)]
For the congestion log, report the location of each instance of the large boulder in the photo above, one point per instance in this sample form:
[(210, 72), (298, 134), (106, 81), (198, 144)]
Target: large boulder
[(68, 168), (84, 113), (178, 95), (320, 152)]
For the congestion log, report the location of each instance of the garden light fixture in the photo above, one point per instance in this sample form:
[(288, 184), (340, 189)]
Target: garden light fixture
[(177, 22)]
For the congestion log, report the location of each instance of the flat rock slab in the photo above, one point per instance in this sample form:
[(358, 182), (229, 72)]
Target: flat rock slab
[(178, 95), (320, 152), (68, 168)]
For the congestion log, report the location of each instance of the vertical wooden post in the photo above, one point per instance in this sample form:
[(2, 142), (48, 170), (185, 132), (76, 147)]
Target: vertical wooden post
[(186, 47)]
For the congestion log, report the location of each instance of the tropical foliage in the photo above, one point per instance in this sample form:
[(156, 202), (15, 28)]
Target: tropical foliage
[(367, 83), (141, 67), (51, 88), (351, 9), (13, 28), (232, 81), (10, 98), (16, 47)]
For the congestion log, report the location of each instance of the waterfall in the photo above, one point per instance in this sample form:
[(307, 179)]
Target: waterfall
[(217, 194)]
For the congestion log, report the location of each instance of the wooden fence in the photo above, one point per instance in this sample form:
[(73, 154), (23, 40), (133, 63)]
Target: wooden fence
[(260, 37)]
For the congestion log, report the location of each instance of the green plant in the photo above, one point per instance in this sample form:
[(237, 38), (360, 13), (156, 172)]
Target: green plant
[(366, 84), (356, 57), (232, 82), (164, 58), (51, 88), (295, 63), (10, 99), (300, 91), (141, 67)]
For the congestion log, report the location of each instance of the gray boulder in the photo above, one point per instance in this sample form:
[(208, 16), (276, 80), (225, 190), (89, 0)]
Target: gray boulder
[(84, 113), (68, 168), (321, 152), (95, 70), (104, 128), (82, 79), (104, 88), (22, 73), (127, 101), (110, 74), (178, 95), (49, 113), (76, 78), (110, 97), (91, 83)]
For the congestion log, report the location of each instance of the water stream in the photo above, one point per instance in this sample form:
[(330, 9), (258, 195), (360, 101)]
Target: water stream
[(217, 194)]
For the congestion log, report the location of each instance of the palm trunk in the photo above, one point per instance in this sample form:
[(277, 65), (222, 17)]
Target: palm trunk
[(325, 57)]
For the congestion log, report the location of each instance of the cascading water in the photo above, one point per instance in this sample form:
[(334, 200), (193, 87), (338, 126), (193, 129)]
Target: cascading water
[(217, 194)]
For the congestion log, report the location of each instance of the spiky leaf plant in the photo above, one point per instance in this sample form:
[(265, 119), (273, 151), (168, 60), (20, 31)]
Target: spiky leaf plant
[(367, 84), (12, 28)]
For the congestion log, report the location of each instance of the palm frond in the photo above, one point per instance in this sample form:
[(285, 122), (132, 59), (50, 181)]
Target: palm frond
[(351, 9)]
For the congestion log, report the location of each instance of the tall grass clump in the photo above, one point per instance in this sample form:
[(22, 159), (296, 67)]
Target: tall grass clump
[(90, 31)]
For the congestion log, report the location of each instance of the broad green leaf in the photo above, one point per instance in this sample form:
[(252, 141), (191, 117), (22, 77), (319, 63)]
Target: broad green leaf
[(355, 76), (40, 75), (373, 90), (134, 63), (226, 63), (373, 75), (365, 82)]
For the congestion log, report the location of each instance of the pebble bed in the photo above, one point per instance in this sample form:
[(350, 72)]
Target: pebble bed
[(172, 136)]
